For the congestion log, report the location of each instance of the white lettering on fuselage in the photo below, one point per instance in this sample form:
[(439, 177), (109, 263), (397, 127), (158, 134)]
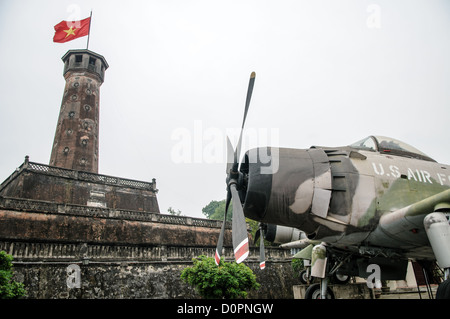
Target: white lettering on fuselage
[(418, 175)]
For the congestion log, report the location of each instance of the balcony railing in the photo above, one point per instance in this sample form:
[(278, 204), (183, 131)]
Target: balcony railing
[(80, 175)]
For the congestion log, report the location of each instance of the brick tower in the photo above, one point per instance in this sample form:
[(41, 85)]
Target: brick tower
[(76, 138)]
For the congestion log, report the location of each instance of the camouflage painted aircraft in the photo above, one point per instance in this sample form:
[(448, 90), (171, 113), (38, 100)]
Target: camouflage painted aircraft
[(378, 201)]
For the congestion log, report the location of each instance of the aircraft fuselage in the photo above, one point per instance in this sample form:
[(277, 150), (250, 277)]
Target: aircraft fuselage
[(338, 195)]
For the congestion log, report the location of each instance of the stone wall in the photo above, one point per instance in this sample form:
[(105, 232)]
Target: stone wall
[(34, 221), (125, 272), (120, 253)]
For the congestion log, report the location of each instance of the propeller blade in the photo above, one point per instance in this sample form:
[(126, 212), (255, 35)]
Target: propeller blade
[(230, 155), (256, 235), (239, 228), (219, 244), (251, 83), (262, 257), (222, 231), (237, 152)]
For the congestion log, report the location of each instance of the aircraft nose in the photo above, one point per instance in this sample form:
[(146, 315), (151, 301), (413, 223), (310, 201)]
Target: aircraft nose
[(296, 187), (279, 190), (257, 168)]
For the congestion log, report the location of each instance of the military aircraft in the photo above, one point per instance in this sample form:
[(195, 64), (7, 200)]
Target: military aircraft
[(378, 201)]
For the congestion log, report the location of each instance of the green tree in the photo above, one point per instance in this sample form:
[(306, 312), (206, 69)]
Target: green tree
[(172, 211), (216, 210), (209, 209), (9, 289), (229, 280)]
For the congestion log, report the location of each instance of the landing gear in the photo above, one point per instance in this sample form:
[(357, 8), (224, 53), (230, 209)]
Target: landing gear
[(340, 279), (438, 231), (325, 265), (315, 292), (319, 270), (304, 276), (443, 291)]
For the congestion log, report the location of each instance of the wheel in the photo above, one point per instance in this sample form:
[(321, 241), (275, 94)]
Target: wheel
[(313, 292), (304, 276), (443, 291), (340, 279)]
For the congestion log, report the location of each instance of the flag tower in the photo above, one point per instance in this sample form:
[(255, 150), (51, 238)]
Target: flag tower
[(75, 145)]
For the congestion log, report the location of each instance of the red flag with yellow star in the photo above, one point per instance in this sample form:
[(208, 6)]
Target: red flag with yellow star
[(70, 30)]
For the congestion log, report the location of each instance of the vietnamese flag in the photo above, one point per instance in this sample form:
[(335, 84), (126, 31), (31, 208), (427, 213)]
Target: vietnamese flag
[(70, 30)]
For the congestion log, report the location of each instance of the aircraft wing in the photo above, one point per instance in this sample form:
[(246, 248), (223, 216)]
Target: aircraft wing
[(404, 227), (421, 208)]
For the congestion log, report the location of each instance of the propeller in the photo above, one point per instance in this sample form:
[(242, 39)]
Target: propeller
[(239, 227), (262, 257)]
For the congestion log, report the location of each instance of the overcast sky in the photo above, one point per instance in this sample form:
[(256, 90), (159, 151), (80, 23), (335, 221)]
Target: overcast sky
[(327, 73)]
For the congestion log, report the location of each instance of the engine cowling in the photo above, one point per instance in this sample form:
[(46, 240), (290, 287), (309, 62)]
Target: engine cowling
[(284, 186)]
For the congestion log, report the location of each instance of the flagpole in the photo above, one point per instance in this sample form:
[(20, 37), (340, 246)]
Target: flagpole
[(89, 32)]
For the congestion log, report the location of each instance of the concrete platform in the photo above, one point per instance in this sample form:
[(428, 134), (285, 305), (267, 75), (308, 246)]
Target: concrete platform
[(410, 293), (361, 291), (348, 291)]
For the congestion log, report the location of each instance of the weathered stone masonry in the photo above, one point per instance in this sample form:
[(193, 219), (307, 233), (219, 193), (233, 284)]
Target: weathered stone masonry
[(116, 265), (46, 223), (76, 143), (59, 185)]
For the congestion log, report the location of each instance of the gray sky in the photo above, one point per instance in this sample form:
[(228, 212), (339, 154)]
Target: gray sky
[(327, 73)]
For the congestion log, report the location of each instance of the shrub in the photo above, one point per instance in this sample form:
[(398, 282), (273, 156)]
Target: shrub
[(297, 266), (229, 280), (9, 289)]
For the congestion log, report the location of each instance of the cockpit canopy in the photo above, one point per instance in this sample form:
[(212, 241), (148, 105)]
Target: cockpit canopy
[(384, 144)]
